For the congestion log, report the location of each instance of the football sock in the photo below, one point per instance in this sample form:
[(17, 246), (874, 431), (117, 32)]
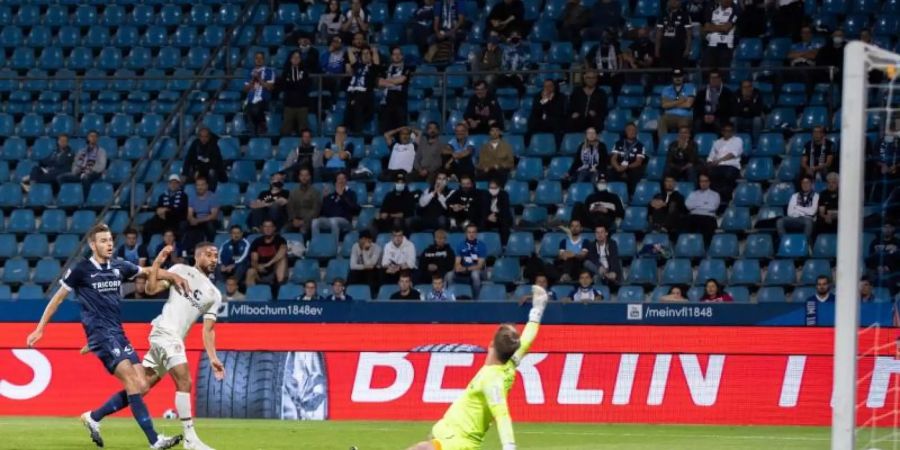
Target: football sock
[(142, 416), (118, 401), (183, 407)]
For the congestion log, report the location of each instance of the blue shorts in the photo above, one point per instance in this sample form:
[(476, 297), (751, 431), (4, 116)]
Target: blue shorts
[(112, 349)]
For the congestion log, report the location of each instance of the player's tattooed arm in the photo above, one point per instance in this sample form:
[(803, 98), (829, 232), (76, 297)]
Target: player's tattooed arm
[(49, 311)]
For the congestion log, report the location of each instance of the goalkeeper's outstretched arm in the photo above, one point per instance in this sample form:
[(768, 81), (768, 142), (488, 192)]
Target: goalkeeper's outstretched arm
[(538, 304)]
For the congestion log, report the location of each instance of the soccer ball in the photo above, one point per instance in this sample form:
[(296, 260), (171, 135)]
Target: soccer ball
[(170, 414)]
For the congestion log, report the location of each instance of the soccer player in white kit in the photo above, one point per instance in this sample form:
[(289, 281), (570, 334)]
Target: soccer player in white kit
[(181, 311)]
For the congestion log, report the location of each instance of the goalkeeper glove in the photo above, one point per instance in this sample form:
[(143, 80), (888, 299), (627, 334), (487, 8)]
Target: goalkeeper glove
[(509, 446), (539, 300)]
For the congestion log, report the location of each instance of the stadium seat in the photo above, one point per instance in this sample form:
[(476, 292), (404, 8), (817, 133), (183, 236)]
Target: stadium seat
[(305, 270), (82, 221), (52, 221), (644, 192), (548, 193), (289, 291), (559, 168), (813, 116), (711, 269), (21, 221), (64, 246), (771, 294), (542, 144), (689, 246), (802, 293), (71, 195), (736, 219), (337, 268), (759, 246), (748, 194), (34, 246), (812, 269), (780, 272), (100, 195), (759, 169), (14, 148), (825, 246), (579, 192), (492, 293), (550, 245), (631, 294), (793, 246), (677, 271), (635, 219), (746, 272), (788, 170), (322, 248), (259, 293), (15, 271), (781, 118), (360, 292), (8, 246), (506, 270), (627, 244), (492, 243), (39, 196), (528, 169), (520, 244), (724, 245), (642, 271)]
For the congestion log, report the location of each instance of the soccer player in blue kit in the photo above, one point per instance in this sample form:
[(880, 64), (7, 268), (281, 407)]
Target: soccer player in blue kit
[(97, 285)]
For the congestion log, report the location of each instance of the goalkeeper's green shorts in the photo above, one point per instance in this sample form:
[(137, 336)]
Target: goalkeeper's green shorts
[(443, 439)]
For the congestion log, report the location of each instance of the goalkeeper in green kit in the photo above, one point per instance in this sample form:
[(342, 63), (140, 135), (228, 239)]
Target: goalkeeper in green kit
[(467, 420)]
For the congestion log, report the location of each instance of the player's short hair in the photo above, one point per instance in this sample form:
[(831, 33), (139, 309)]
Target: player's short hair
[(203, 246), (506, 342), (97, 229), (130, 231)]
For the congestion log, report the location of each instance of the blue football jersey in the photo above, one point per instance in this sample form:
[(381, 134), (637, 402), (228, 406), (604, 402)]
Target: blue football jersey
[(98, 288)]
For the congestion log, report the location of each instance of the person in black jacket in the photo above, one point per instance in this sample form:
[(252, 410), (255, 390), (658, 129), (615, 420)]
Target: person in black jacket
[(495, 211), (505, 17), (294, 83), (548, 110), (667, 208), (749, 110), (171, 210), (394, 81), (603, 258), (601, 208), (204, 160), (587, 105), (713, 105), (309, 54), (398, 208), (483, 111), (433, 205), (360, 91), (464, 204), (591, 161), (437, 259), (50, 168)]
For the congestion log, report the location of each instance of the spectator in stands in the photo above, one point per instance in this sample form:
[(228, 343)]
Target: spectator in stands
[(270, 204), (698, 11), (818, 155), (398, 255), (488, 59), (832, 53), (309, 55), (606, 17), (677, 104), (885, 160), (483, 111), (171, 210), (176, 256), (360, 91), (713, 293), (506, 17), (268, 258), (803, 52), (719, 33), (591, 161), (823, 291), (681, 157), (541, 280), (587, 105), (403, 153), (310, 292), (606, 58), (826, 220), (601, 208), (420, 30), (365, 255), (394, 82), (495, 160), (801, 210), (515, 57), (438, 293), (331, 22), (548, 110), (749, 110), (752, 21), (667, 208), (602, 260), (301, 157), (470, 261), (294, 84), (88, 165), (398, 208), (232, 291), (406, 290), (334, 62), (573, 20), (204, 159), (259, 90), (724, 162), (572, 252), (640, 55), (714, 105), (428, 160), (304, 204), (337, 154), (866, 290), (673, 36), (233, 261), (788, 18), (202, 216), (358, 43), (433, 211), (626, 163), (139, 291), (675, 295), (495, 211), (449, 26), (52, 166), (357, 20), (459, 153), (339, 291), (338, 209), (464, 204), (437, 259), (130, 250), (585, 291), (702, 205), (884, 254)]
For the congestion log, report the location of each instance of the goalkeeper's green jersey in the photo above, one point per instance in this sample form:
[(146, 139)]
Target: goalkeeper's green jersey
[(484, 400)]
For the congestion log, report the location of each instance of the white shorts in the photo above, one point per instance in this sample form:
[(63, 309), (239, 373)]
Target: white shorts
[(164, 354)]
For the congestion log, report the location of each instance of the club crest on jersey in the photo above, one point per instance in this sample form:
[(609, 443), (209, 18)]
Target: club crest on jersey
[(116, 352), (117, 273)]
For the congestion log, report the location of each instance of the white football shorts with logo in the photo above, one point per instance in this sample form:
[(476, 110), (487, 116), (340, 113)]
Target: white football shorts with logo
[(165, 352)]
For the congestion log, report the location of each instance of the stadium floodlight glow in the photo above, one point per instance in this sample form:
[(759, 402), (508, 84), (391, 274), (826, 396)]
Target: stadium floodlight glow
[(859, 59)]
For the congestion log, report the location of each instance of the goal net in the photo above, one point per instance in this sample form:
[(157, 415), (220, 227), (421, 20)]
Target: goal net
[(866, 369)]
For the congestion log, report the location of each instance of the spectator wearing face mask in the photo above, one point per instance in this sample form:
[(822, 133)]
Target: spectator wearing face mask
[(601, 208), (464, 204), (398, 208), (270, 204), (496, 214)]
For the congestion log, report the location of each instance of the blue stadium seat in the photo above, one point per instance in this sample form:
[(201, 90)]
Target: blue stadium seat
[(677, 271), (550, 244), (337, 268), (529, 169), (768, 212), (631, 294), (627, 244), (579, 192), (825, 246), (305, 270), (788, 170), (759, 246), (736, 219), (491, 242), (780, 272), (570, 143), (812, 269), (748, 194), (52, 220), (749, 49), (561, 53), (506, 270), (11, 36), (689, 246), (541, 144), (548, 193), (711, 269), (704, 143), (724, 245), (802, 293), (655, 168), (616, 120), (34, 246), (635, 219), (22, 58), (779, 194), (100, 195), (361, 292), (50, 58), (243, 171), (8, 246), (322, 248), (534, 216), (813, 116), (32, 291), (620, 189), (746, 272), (15, 271), (82, 221), (771, 294), (46, 270), (644, 192), (520, 244), (71, 195), (759, 169), (781, 118), (14, 148), (40, 195), (793, 246), (96, 37), (21, 221), (559, 168), (259, 293), (289, 291), (642, 271), (492, 293), (65, 245)]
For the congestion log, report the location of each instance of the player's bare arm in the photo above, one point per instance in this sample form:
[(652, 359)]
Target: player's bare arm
[(209, 343), (157, 278), (49, 311)]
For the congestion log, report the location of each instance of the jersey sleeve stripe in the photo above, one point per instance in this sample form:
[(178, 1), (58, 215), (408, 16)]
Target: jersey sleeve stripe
[(65, 286)]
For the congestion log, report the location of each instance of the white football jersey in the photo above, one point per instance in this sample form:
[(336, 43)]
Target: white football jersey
[(182, 310)]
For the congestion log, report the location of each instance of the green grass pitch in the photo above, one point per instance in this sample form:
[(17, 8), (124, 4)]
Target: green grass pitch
[(67, 433)]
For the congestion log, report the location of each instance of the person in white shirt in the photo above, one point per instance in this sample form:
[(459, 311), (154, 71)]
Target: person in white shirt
[(397, 256), (719, 33), (801, 210), (702, 205), (724, 162), (403, 152)]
